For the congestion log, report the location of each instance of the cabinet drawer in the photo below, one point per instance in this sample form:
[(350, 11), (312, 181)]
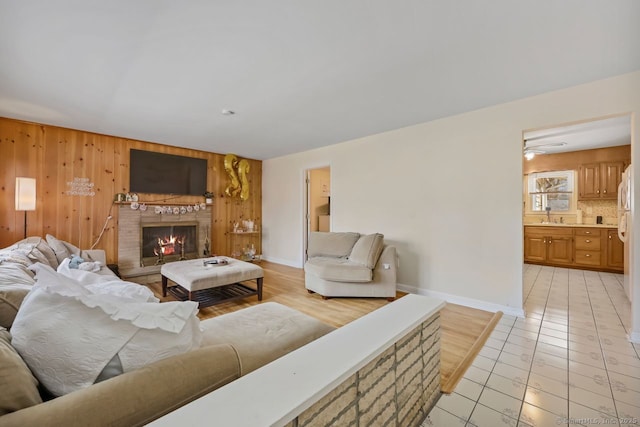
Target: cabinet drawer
[(594, 232), (587, 257), (588, 243)]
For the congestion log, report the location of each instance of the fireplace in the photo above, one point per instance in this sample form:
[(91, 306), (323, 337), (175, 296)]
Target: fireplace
[(165, 242)]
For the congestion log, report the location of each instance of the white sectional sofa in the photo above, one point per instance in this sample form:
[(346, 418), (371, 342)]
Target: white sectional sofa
[(187, 362)]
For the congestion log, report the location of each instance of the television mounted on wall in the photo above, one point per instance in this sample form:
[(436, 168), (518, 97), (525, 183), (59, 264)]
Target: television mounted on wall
[(160, 173)]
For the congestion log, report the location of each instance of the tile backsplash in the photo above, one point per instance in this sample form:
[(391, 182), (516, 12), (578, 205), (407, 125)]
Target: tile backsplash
[(608, 209)]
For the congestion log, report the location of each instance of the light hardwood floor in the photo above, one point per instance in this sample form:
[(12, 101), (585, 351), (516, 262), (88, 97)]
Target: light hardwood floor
[(462, 327)]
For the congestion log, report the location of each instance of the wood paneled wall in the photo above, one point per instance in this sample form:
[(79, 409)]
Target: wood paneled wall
[(55, 156)]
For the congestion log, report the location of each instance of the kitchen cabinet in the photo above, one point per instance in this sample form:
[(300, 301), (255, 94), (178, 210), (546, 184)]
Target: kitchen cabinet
[(553, 245), (615, 250), (588, 247), (594, 248), (599, 180)]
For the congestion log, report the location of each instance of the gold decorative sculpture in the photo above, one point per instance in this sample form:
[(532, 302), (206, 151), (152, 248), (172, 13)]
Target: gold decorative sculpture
[(230, 164), (238, 171), (243, 171)]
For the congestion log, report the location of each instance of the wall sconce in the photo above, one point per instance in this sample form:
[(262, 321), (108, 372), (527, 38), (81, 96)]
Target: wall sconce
[(25, 197)]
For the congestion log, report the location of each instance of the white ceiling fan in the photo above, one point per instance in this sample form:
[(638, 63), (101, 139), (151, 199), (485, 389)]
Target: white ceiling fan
[(530, 150)]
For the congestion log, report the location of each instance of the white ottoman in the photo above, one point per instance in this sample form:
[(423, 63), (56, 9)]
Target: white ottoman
[(211, 284)]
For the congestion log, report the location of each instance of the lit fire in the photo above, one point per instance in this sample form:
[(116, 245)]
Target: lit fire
[(167, 245)]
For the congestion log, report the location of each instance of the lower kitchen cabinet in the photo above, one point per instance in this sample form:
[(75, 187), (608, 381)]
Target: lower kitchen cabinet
[(535, 248), (579, 247), (615, 250), (548, 245), (588, 247)]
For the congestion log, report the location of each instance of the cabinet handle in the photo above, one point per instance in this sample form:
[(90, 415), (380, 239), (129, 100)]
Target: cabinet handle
[(587, 232), (544, 240), (549, 241), (597, 191), (609, 236), (587, 255), (605, 191), (588, 241)]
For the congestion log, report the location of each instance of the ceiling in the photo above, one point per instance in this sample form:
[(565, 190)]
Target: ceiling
[(298, 74), (608, 132)]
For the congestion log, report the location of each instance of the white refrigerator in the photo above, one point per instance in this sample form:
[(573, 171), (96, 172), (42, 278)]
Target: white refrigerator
[(624, 223)]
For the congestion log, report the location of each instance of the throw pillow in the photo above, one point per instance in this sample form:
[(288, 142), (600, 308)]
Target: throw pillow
[(11, 297), (68, 332), (35, 249), (45, 249), (367, 250), (59, 248), (331, 244), (19, 387)]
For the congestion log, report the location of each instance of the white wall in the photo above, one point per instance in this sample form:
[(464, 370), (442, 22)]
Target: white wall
[(447, 193)]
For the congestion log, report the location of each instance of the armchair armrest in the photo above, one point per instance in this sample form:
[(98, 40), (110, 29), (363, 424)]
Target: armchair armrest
[(389, 258), (94, 255)]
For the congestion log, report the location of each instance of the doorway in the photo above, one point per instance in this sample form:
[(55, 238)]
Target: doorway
[(594, 153), (318, 201)]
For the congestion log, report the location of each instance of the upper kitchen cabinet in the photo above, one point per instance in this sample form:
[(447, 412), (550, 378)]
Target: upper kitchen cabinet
[(599, 180)]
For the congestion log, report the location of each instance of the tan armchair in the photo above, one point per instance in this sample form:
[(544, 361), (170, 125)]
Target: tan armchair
[(350, 265)]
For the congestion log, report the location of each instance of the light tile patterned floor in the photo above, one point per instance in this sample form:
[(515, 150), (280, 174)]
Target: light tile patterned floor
[(567, 363)]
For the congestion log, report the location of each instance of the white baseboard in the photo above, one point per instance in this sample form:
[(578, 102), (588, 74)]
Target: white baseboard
[(469, 302), (634, 337), (281, 261)]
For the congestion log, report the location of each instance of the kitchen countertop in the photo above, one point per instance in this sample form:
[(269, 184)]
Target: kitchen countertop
[(553, 224)]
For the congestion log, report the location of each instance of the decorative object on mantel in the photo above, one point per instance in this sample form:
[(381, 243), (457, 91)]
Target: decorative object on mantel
[(208, 197), (170, 210), (238, 171), (206, 252)]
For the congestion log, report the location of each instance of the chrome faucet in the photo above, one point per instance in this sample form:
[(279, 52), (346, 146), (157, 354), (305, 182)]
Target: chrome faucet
[(548, 209)]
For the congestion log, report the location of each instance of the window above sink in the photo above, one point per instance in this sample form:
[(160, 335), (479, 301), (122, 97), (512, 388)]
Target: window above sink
[(553, 190)]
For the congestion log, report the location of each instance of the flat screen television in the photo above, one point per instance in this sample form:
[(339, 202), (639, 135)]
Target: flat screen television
[(160, 173)]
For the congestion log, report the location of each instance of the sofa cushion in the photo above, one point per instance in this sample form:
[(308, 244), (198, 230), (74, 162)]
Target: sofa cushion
[(367, 250), (59, 248), (262, 333), (44, 248), (36, 249), (67, 332), (19, 386), (11, 297), (15, 282), (331, 244), (338, 270)]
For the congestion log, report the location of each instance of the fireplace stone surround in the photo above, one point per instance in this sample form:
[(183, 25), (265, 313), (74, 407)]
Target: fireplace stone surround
[(130, 222)]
